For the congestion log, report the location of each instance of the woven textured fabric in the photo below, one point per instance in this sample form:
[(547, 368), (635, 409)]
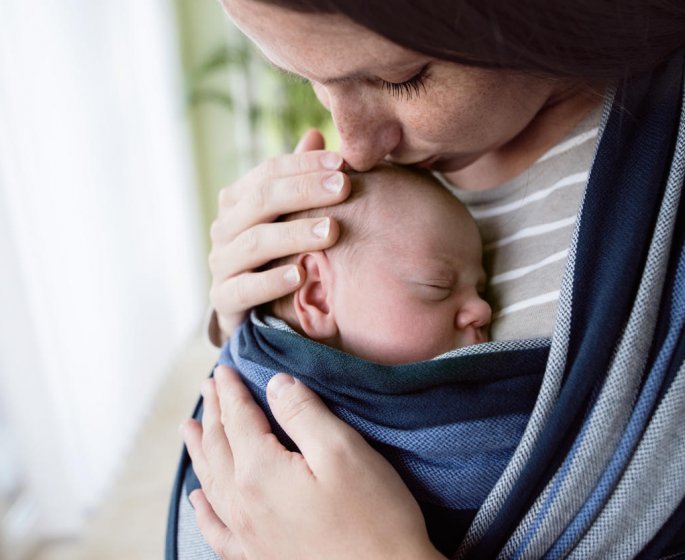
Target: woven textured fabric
[(449, 425), (189, 541), (583, 482), (569, 448)]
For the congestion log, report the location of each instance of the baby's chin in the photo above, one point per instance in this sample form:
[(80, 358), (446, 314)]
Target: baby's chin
[(404, 356), (389, 356), (407, 359)]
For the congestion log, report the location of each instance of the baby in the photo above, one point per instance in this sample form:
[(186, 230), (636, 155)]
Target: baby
[(402, 284), (399, 288)]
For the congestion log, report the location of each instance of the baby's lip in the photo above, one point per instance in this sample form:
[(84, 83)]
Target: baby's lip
[(481, 336), (473, 336)]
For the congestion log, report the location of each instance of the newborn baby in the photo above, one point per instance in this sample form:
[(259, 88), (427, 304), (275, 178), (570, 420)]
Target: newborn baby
[(383, 318), (403, 282)]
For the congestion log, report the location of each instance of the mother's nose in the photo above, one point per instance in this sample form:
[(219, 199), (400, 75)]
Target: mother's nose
[(367, 131)]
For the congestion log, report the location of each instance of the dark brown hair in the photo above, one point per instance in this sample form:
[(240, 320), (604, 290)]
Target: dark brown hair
[(587, 39)]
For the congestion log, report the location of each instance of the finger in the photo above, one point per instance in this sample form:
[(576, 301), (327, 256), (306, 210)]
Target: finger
[(192, 437), (216, 534), (311, 140), (267, 201), (307, 420), (217, 449), (218, 482), (266, 242), (242, 292), (279, 167), (229, 324), (244, 422)]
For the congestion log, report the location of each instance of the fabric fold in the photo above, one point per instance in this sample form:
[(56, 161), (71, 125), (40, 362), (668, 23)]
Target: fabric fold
[(572, 447), (621, 296)]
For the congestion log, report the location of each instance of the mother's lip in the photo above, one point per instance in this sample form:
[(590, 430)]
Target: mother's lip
[(426, 163), (421, 163)]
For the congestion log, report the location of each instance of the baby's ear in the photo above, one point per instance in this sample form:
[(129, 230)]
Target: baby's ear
[(312, 299)]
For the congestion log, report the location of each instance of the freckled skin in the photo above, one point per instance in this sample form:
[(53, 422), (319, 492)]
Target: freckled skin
[(479, 127), (500, 121)]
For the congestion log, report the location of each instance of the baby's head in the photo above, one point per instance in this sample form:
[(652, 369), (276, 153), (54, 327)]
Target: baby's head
[(402, 283)]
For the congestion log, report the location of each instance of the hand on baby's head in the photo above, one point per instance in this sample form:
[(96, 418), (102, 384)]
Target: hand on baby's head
[(403, 282)]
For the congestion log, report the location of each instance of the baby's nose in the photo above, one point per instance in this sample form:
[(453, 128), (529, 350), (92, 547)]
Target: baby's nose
[(474, 313)]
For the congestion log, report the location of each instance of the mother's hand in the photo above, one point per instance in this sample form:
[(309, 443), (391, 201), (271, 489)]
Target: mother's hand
[(242, 238), (338, 498)]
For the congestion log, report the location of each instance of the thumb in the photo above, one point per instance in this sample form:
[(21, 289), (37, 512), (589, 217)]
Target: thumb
[(311, 140), (306, 419)]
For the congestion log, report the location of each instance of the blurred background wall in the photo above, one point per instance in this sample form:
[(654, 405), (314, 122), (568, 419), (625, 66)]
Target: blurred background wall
[(119, 123), (103, 275)]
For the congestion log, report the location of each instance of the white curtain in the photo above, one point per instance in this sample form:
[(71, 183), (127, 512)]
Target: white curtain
[(102, 264)]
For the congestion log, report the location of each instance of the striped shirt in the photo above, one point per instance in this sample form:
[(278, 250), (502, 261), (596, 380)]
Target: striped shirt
[(526, 225)]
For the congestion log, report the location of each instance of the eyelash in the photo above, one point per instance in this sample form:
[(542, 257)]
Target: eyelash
[(437, 292), (413, 87)]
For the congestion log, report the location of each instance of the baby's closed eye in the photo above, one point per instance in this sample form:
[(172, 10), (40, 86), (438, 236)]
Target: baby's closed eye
[(434, 291)]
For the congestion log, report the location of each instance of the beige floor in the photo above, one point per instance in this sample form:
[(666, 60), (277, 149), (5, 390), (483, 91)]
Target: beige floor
[(131, 524)]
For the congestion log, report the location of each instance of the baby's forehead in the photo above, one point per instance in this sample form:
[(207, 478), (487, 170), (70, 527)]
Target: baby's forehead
[(402, 211), (402, 196)]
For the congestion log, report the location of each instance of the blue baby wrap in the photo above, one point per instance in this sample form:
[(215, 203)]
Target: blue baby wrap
[(572, 447), (449, 426)]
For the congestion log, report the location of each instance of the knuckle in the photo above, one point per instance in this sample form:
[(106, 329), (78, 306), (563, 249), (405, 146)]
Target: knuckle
[(292, 408), (291, 234), (209, 486), (241, 293), (308, 161), (301, 188), (247, 483), (240, 521), (338, 452), (225, 198), (269, 168), (257, 199), (215, 231), (250, 240), (226, 417), (210, 434)]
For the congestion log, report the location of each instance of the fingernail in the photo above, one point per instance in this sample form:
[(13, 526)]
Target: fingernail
[(322, 228), (182, 428), (331, 160), (292, 275), (280, 383), (334, 183)]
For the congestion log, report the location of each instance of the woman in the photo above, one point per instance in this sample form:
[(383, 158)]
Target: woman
[(499, 99)]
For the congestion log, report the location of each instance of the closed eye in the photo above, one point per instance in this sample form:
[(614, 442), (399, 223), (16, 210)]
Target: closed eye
[(413, 87), (435, 292)]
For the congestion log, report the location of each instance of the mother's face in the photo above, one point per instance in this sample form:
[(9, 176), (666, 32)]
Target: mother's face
[(391, 102)]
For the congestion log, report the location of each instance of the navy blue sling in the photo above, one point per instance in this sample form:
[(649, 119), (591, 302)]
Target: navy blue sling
[(572, 447)]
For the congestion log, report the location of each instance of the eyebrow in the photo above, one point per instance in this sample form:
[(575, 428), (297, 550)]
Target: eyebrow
[(329, 81)]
